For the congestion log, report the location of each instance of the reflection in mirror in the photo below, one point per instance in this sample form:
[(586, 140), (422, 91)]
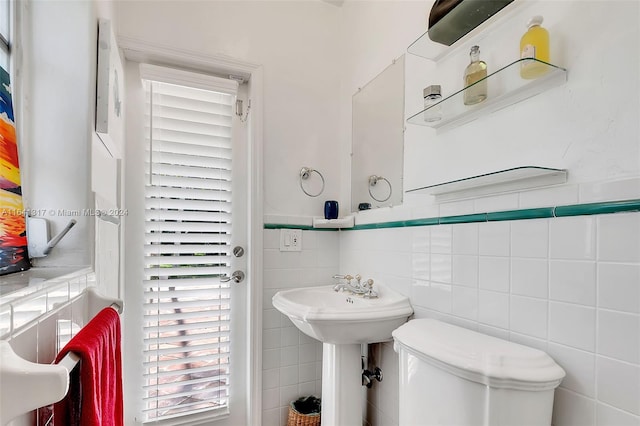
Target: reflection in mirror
[(378, 136)]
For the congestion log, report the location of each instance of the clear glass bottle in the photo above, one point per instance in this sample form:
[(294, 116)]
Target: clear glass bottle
[(534, 44), (432, 95), (475, 71)]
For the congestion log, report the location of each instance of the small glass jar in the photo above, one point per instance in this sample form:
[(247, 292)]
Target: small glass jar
[(432, 95), (475, 79)]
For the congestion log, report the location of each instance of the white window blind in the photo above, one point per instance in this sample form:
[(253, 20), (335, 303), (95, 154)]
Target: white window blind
[(187, 249)]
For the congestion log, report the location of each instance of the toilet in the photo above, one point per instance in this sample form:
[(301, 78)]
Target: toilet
[(453, 376)]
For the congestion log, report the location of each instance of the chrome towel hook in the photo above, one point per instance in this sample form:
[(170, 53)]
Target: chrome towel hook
[(305, 173), (373, 181)]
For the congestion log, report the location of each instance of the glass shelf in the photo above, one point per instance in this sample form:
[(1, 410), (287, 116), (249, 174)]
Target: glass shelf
[(505, 87), (508, 180), (424, 47)]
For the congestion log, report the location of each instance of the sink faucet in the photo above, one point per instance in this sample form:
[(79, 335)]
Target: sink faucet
[(340, 285), (357, 288)]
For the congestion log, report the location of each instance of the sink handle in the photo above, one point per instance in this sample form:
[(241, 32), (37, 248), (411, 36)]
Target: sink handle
[(343, 277), (370, 294)]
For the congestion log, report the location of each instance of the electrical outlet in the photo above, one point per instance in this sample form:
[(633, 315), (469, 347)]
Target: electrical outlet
[(290, 240)]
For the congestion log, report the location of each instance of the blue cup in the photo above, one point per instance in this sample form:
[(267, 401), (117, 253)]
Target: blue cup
[(330, 209)]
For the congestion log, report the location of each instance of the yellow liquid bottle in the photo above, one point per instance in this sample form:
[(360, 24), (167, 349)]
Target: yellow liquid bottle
[(475, 79), (534, 44)]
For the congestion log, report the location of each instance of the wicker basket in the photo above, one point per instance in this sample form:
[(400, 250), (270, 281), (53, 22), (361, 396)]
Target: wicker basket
[(297, 419)]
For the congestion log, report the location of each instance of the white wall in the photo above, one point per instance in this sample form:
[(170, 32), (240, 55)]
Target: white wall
[(295, 42), (517, 280), (315, 56), (58, 110), (373, 34), (55, 59), (57, 72), (592, 130)]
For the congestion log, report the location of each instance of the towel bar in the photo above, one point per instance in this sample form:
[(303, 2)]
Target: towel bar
[(70, 360), (44, 383)]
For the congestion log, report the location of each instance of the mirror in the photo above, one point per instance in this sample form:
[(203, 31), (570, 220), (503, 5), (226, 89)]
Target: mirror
[(377, 140)]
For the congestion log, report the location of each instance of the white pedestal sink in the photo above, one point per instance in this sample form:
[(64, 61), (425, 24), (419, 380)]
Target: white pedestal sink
[(343, 321)]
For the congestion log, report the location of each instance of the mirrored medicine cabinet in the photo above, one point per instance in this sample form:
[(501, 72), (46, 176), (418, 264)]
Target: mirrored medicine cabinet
[(378, 139)]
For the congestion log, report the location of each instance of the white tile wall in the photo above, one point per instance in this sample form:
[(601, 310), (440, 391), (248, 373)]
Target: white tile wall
[(494, 239), (493, 273), (292, 361), (529, 316), (465, 302), (618, 287), (579, 366), (569, 286), (619, 238), (618, 384), (465, 270), (571, 409), (529, 277), (619, 335), (384, 409), (465, 238), (572, 325), (573, 282), (530, 238), (572, 238), (493, 309), (607, 415)]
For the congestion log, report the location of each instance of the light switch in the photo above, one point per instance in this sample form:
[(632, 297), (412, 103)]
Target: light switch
[(290, 240)]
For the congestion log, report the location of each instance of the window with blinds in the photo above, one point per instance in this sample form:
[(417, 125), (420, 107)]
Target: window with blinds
[(187, 250), (5, 46)]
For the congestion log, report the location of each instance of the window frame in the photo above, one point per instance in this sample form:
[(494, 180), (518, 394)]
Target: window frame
[(6, 40)]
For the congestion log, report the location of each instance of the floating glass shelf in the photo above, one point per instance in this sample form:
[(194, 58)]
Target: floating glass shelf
[(508, 180), (505, 87), (425, 47)]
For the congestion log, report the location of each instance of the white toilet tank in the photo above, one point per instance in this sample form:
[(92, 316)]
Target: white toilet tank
[(453, 376)]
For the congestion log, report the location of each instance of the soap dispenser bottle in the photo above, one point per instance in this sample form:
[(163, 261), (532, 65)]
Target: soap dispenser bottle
[(534, 44), (476, 90)]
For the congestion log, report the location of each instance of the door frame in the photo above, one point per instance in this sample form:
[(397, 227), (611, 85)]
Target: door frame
[(137, 50)]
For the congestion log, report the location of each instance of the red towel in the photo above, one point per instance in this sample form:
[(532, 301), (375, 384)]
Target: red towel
[(95, 388)]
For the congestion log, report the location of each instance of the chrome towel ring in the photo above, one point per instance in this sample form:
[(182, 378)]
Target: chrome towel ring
[(305, 173), (373, 181)]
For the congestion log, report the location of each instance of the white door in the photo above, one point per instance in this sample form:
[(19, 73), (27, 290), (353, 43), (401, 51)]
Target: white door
[(196, 203)]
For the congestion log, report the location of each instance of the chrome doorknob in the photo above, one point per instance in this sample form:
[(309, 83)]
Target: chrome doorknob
[(236, 277)]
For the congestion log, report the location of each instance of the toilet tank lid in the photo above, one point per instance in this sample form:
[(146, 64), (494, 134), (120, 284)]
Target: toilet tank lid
[(477, 356)]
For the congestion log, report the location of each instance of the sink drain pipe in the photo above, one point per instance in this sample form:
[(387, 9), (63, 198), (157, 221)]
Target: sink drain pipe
[(368, 376)]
